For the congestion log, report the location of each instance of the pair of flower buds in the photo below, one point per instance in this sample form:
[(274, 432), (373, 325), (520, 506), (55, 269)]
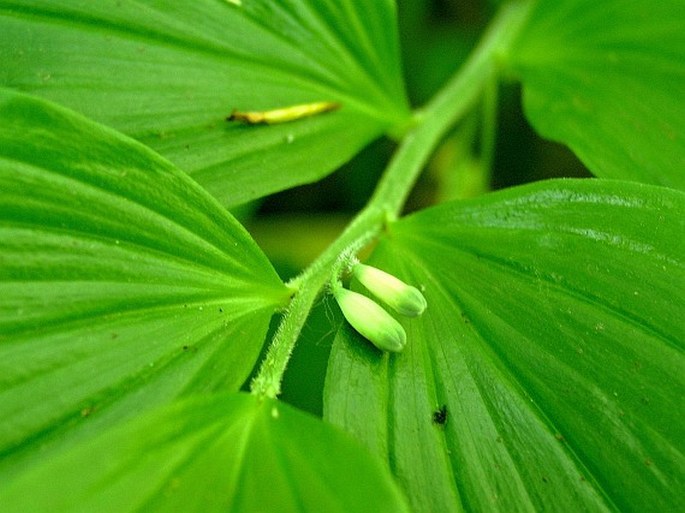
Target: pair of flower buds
[(368, 317)]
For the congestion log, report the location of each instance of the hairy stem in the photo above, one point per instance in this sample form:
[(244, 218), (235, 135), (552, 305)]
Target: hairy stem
[(433, 121)]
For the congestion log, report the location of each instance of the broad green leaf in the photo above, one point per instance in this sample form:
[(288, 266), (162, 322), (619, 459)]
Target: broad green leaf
[(608, 79), (123, 284), (228, 452), (169, 73), (554, 340)]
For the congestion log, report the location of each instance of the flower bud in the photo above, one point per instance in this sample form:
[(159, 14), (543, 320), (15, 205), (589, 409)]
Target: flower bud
[(371, 321), (402, 298)]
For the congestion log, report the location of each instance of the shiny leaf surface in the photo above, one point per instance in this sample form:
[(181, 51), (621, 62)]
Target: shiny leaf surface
[(123, 284), (608, 79), (227, 452), (169, 73), (547, 372)]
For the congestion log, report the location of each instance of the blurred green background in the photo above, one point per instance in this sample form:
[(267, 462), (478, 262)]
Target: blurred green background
[(294, 226)]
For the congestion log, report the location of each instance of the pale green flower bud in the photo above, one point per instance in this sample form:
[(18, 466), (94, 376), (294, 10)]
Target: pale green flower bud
[(371, 321), (402, 298)]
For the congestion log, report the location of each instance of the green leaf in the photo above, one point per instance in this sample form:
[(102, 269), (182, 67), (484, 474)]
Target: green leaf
[(608, 79), (228, 452), (123, 284), (169, 73), (553, 338)]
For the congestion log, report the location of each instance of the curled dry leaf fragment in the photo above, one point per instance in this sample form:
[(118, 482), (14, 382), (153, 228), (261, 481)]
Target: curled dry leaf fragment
[(283, 115)]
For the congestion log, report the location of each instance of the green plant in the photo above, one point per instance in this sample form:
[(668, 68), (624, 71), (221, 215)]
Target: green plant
[(547, 372)]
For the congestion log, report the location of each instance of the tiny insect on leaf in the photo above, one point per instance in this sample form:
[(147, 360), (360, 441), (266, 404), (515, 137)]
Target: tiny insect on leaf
[(440, 415), (284, 115)]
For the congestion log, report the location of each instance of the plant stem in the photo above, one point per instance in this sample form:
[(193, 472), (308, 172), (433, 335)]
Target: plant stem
[(448, 106), (433, 121)]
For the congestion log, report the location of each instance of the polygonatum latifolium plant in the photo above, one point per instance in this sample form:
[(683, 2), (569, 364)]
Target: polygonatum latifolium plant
[(527, 347), (548, 296), (125, 286)]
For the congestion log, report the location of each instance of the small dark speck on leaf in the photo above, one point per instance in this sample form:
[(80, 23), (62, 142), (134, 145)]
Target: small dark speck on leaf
[(185, 348), (440, 415), (221, 310)]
